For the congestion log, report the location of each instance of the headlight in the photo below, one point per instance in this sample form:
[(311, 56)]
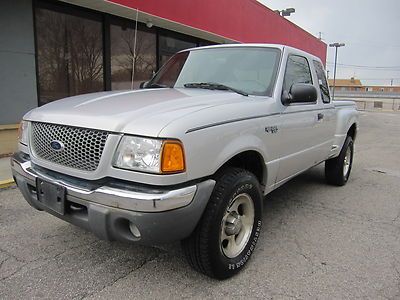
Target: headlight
[(23, 132), (150, 155)]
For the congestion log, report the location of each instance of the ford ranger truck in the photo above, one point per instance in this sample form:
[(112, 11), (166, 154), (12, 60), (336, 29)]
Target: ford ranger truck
[(192, 154)]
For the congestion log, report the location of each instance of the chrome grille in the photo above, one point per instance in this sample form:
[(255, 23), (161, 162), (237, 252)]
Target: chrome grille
[(81, 147)]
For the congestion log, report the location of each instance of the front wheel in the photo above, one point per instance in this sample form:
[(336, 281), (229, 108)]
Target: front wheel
[(337, 170), (229, 229)]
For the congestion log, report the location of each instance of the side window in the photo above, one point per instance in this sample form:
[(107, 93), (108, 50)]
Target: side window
[(323, 84), (297, 71)]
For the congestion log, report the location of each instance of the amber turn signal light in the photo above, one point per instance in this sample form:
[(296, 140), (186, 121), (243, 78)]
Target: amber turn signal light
[(172, 157)]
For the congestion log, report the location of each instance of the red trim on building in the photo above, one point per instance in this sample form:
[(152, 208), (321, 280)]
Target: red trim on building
[(246, 21)]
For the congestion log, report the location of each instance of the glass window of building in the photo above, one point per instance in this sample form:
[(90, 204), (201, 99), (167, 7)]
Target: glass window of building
[(122, 35), (69, 54), (206, 43), (169, 45)]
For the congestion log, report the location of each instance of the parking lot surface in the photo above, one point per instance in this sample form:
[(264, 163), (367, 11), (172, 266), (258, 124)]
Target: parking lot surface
[(318, 241)]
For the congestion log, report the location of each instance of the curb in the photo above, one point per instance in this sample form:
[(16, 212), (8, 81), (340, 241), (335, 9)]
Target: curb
[(6, 183)]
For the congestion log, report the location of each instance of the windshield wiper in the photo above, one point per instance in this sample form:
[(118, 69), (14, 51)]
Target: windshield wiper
[(213, 86)]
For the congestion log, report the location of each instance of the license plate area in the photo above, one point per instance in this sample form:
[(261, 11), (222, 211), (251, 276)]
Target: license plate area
[(51, 195)]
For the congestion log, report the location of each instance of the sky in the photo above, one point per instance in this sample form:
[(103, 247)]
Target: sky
[(369, 28)]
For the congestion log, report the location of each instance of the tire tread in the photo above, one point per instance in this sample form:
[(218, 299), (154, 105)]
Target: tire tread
[(334, 166), (196, 246)]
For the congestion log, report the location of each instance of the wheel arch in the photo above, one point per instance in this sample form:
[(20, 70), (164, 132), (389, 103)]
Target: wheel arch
[(250, 160), (352, 132)]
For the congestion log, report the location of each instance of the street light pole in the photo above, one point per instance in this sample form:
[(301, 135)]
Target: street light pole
[(286, 12), (334, 75), (336, 45)]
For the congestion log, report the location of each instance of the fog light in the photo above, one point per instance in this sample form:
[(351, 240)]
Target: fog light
[(134, 230)]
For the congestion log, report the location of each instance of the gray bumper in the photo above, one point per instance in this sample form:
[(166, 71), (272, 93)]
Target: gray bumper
[(108, 210)]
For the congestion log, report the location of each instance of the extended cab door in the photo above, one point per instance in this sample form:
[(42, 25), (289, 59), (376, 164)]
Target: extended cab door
[(300, 136), (327, 124)]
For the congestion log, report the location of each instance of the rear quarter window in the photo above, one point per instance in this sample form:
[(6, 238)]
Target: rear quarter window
[(322, 82)]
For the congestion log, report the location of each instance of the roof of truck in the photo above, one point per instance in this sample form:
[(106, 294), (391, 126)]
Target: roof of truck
[(277, 46)]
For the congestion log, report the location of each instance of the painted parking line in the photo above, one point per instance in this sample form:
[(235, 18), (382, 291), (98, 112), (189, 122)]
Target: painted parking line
[(6, 183)]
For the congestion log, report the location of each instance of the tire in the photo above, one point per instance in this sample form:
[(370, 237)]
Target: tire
[(337, 170), (212, 248)]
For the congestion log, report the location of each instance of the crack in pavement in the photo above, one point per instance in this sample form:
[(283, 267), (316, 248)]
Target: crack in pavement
[(145, 261), (13, 273), (351, 216), (301, 251), (2, 262), (73, 248), (12, 255), (394, 173), (397, 217), (44, 261)]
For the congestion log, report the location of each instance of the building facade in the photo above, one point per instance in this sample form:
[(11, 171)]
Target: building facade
[(53, 49), (351, 84), (367, 97), (355, 85), (382, 88)]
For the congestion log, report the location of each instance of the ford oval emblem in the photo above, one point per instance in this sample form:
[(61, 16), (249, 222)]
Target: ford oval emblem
[(57, 145)]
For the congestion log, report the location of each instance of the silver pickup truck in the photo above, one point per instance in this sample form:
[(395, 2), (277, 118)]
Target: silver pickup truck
[(190, 155)]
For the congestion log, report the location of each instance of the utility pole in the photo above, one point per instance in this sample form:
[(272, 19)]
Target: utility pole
[(335, 45)]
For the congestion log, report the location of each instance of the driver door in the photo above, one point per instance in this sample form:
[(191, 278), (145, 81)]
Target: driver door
[(299, 122)]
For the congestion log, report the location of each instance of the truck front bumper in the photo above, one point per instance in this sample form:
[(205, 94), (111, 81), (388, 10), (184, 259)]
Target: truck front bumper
[(119, 210)]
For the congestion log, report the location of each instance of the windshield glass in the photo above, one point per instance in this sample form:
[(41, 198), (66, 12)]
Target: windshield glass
[(251, 70)]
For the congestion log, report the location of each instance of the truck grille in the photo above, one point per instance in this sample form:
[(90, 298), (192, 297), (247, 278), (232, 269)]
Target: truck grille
[(79, 148)]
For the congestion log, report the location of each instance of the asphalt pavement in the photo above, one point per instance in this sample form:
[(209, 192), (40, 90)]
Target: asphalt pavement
[(318, 242)]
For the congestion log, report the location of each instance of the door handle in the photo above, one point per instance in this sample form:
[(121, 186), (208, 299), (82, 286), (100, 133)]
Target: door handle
[(320, 116)]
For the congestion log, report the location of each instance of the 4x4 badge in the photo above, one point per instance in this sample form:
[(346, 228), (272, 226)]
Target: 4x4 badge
[(271, 129)]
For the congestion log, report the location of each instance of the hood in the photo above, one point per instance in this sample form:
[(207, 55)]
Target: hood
[(142, 112)]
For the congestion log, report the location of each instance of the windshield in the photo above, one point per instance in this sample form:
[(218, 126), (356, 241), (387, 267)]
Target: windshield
[(250, 70)]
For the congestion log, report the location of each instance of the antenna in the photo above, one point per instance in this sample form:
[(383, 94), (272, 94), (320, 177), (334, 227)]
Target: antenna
[(134, 50)]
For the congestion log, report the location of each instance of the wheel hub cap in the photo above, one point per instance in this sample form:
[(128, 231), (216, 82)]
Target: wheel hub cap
[(347, 162), (237, 225), (233, 224)]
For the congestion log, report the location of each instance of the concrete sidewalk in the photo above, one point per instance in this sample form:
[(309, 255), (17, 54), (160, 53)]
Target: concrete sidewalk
[(6, 179)]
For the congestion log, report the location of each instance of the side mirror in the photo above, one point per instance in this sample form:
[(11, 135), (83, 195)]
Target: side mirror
[(300, 93), (143, 84)]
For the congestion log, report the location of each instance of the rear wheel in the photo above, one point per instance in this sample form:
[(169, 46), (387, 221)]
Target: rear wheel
[(337, 170), (229, 229)]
